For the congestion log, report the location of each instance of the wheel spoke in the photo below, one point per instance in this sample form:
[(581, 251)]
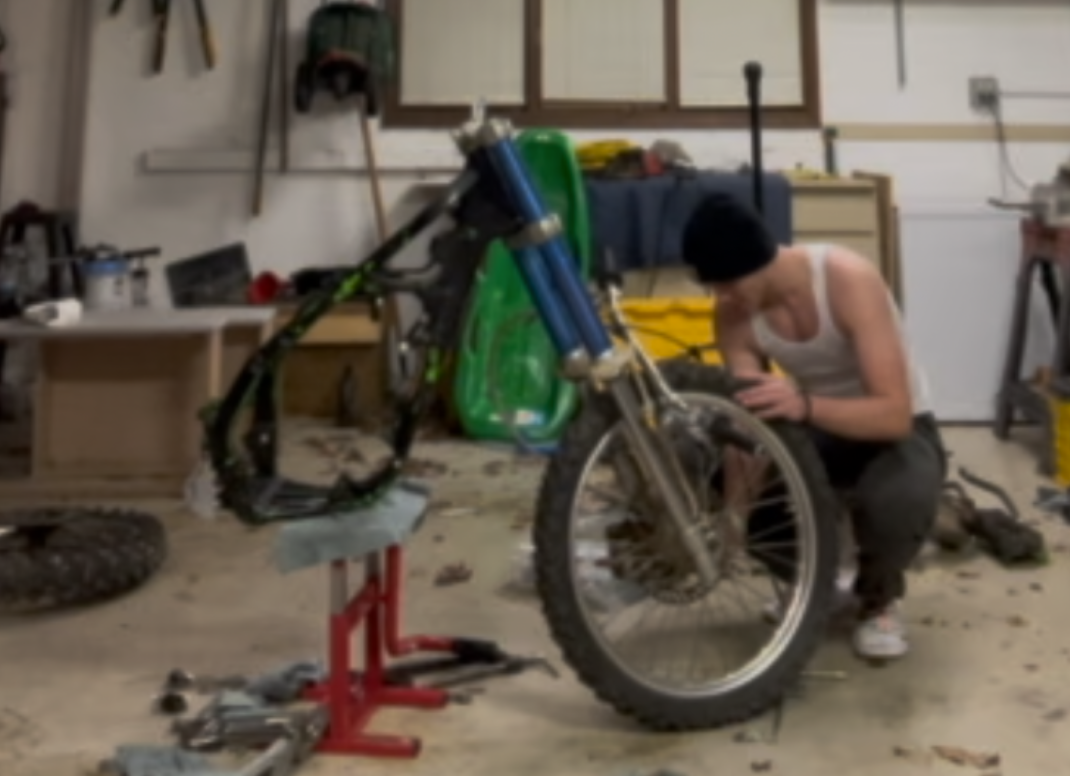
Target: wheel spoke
[(650, 637)]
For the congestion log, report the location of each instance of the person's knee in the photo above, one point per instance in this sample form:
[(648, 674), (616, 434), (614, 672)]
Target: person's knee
[(901, 498)]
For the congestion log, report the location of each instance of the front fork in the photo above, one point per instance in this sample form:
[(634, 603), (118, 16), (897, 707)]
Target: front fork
[(580, 337)]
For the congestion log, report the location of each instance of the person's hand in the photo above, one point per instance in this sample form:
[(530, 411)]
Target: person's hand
[(773, 397)]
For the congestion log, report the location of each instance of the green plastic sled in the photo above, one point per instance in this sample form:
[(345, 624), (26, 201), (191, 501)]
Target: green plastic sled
[(507, 386)]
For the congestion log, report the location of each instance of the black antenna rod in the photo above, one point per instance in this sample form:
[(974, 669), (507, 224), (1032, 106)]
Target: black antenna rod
[(752, 71)]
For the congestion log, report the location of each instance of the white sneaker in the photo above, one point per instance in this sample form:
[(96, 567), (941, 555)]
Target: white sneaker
[(882, 636)]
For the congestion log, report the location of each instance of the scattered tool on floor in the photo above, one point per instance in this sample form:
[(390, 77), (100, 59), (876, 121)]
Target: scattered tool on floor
[(221, 727), (512, 666), (453, 574), (283, 741), (1001, 533), (483, 661), (1055, 501)]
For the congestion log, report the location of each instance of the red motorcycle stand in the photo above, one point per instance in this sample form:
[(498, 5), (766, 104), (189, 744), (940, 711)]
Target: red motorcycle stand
[(352, 698)]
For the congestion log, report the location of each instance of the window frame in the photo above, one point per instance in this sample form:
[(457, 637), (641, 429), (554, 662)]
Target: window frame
[(593, 115)]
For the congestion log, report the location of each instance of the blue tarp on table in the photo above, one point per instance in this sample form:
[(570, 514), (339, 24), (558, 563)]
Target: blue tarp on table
[(642, 221)]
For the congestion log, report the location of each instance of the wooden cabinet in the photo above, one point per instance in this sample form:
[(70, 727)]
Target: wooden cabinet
[(345, 339), (857, 213)]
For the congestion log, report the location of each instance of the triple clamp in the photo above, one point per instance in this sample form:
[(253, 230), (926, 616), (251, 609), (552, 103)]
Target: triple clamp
[(540, 232)]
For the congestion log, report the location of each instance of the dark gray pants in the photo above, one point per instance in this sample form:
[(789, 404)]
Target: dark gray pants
[(894, 491)]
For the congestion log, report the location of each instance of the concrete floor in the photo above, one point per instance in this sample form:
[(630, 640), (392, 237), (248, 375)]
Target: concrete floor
[(75, 685)]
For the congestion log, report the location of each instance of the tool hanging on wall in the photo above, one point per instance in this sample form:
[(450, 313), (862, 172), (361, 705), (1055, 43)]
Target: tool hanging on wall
[(349, 50), (4, 105), (829, 136), (284, 89), (161, 12), (900, 42), (276, 34)]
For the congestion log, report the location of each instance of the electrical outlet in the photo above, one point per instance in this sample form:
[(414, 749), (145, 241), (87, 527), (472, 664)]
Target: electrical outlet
[(984, 94)]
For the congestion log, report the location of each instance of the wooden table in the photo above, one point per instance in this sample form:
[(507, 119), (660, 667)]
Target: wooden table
[(117, 395)]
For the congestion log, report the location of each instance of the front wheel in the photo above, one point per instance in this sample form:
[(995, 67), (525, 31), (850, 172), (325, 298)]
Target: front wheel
[(620, 594)]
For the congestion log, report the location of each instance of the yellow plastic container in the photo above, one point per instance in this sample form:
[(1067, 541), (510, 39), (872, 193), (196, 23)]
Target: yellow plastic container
[(1059, 397), (667, 327)]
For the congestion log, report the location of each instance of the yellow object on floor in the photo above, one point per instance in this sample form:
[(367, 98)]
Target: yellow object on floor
[(1059, 398)]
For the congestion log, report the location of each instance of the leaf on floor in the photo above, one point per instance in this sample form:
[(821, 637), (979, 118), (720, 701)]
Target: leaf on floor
[(421, 467), (453, 574), (959, 756), (322, 447), (747, 736), (913, 754)]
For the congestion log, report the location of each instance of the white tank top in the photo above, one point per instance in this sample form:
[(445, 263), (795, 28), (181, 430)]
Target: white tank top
[(826, 364)]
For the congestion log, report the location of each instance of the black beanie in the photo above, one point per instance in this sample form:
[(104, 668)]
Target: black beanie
[(725, 240)]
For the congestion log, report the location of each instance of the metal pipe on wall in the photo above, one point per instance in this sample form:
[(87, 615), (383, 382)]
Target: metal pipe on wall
[(78, 51)]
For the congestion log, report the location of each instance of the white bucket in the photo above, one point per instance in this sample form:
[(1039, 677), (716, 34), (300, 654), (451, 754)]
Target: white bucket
[(107, 284)]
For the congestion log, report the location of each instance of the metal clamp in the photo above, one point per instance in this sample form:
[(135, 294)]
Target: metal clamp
[(538, 233)]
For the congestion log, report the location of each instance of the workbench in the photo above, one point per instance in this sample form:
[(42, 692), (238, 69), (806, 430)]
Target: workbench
[(117, 394)]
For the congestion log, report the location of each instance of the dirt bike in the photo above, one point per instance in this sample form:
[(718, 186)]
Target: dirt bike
[(662, 536)]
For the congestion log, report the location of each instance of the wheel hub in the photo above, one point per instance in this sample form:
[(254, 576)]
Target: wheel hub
[(647, 550)]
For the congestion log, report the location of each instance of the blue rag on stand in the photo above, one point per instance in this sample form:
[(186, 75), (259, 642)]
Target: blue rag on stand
[(642, 221)]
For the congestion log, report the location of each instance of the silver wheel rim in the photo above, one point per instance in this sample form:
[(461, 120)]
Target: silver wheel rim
[(785, 629)]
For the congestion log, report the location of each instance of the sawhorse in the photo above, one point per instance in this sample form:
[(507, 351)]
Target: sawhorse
[(1041, 245)]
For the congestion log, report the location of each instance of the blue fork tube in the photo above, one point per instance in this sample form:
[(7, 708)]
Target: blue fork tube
[(555, 317), (559, 263)]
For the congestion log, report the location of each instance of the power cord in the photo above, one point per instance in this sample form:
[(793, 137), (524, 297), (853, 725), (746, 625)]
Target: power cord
[(1006, 165)]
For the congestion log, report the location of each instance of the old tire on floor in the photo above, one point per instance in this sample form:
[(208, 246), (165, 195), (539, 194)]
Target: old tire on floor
[(654, 707), (60, 556)]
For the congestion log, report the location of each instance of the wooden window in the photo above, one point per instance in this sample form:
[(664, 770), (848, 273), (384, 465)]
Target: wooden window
[(604, 64)]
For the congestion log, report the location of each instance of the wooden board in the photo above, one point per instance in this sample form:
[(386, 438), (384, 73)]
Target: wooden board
[(888, 213), (343, 325), (312, 380), (951, 133)]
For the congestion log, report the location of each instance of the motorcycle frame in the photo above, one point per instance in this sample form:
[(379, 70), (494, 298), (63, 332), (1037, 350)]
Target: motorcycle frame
[(494, 197)]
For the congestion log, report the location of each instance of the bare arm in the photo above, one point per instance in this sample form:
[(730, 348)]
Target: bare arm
[(862, 308), (742, 472), (734, 341)]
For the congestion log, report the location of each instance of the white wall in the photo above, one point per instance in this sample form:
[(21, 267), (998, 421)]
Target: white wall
[(41, 162), (952, 239)]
